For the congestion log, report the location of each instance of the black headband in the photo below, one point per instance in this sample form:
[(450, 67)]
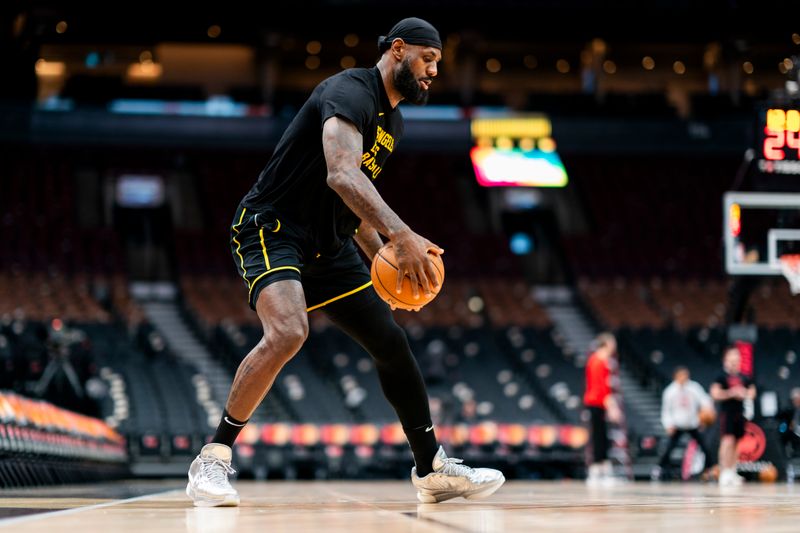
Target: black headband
[(413, 31)]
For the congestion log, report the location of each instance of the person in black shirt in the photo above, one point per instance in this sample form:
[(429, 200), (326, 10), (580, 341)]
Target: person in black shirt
[(293, 241), (790, 424), (731, 388)]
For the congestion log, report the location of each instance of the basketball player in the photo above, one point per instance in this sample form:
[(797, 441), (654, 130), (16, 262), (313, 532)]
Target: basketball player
[(681, 403), (293, 241), (731, 388), (600, 402)]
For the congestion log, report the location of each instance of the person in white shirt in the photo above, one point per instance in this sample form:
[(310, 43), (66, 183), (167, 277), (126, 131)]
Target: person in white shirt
[(681, 404)]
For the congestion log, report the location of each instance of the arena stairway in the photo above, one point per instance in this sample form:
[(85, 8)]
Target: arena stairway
[(182, 341), (576, 331)]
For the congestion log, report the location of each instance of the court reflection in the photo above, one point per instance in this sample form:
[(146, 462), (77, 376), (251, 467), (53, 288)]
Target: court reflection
[(212, 519)]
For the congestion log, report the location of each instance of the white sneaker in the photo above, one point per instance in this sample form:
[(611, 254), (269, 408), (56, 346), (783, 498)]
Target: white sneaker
[(594, 480), (656, 473), (208, 478), (451, 479), (612, 481), (729, 478), (595, 476)]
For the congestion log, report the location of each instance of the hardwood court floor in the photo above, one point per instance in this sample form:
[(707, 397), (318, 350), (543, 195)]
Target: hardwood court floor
[(390, 506)]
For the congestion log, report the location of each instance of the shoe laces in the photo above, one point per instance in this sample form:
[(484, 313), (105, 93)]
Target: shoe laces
[(453, 467), (216, 470)]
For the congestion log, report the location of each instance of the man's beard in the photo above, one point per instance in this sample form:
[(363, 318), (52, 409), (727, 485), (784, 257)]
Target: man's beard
[(408, 86)]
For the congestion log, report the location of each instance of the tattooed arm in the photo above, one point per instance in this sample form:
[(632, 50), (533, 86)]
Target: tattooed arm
[(343, 145), (368, 239)]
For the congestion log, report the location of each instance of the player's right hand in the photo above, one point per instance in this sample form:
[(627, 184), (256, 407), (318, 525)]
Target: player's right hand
[(411, 251)]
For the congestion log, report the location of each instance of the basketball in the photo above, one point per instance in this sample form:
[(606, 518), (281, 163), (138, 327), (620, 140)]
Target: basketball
[(768, 474), (707, 416), (384, 280)]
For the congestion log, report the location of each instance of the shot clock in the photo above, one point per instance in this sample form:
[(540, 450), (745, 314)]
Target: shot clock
[(778, 138)]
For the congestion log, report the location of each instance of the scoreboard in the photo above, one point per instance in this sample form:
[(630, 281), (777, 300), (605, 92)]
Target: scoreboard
[(778, 140), (515, 150)]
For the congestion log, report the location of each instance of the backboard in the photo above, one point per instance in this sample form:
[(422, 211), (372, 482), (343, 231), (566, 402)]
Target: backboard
[(759, 228)]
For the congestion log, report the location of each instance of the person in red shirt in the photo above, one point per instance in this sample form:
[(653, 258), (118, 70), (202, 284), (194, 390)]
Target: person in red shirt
[(731, 389), (600, 403)]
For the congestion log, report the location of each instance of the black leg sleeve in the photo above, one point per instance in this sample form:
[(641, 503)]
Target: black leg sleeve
[(368, 320)]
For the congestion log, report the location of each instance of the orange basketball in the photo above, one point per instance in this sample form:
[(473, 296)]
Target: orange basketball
[(768, 474), (384, 280), (707, 416)]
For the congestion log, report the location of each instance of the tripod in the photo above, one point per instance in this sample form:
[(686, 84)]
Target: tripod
[(59, 365)]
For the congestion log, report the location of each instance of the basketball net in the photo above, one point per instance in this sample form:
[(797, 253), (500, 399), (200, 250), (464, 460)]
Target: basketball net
[(790, 266)]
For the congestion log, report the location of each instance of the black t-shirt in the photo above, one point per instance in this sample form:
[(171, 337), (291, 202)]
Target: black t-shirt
[(294, 180), (729, 381)]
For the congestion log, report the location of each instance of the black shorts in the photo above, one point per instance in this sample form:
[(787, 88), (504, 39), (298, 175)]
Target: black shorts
[(731, 424), (267, 249)]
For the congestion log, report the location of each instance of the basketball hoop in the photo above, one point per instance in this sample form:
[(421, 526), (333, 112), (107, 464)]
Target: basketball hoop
[(790, 266)]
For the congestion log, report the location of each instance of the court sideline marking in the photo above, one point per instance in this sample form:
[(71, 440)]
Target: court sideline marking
[(29, 518)]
